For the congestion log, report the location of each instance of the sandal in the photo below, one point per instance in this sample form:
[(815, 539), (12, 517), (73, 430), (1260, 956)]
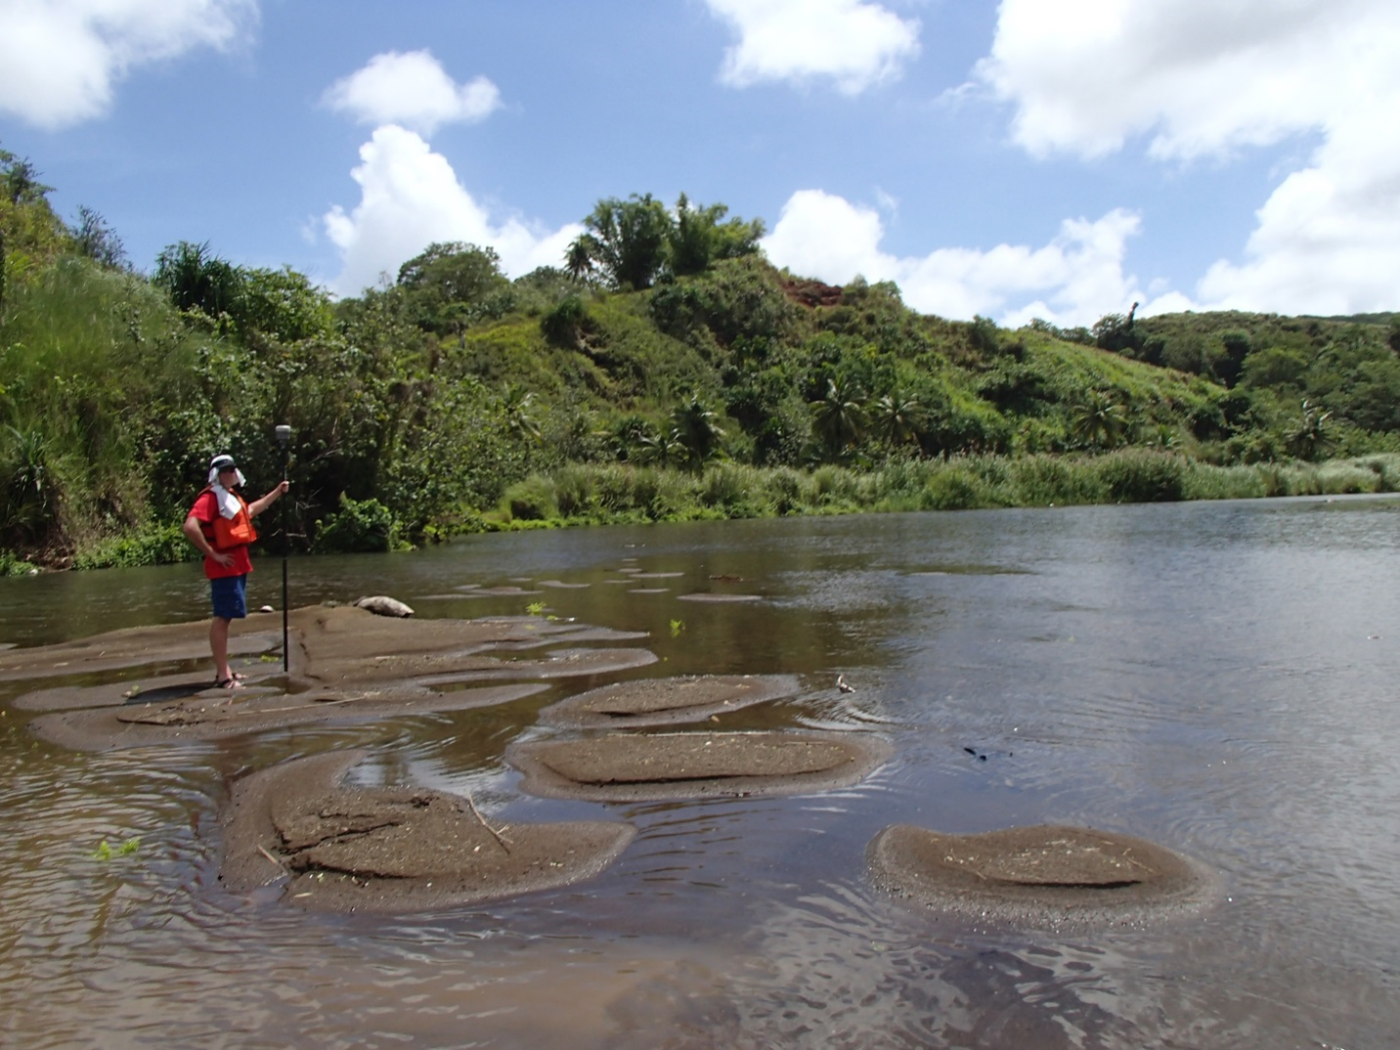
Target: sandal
[(230, 683)]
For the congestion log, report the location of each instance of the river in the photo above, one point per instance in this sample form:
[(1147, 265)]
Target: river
[(1218, 678)]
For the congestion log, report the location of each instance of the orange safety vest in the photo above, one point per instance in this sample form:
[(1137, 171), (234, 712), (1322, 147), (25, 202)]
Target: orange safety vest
[(235, 532)]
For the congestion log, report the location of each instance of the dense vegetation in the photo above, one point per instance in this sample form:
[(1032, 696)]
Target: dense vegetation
[(665, 371)]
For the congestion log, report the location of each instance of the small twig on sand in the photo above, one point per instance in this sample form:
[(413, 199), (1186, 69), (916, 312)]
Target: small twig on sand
[(270, 857), (496, 834)]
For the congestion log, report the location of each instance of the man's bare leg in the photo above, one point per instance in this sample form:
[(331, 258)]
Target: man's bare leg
[(218, 645)]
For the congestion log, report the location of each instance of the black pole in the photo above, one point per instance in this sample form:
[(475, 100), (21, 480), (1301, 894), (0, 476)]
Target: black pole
[(283, 434)]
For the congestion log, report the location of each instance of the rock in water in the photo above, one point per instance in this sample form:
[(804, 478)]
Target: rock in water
[(381, 605)]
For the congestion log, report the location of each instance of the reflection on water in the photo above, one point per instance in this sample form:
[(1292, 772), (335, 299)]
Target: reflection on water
[(1218, 678)]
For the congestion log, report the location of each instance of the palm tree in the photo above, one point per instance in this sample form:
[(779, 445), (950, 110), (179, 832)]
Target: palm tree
[(696, 429), (897, 419), (1309, 438), (1100, 421), (515, 412), (838, 418), (578, 260)]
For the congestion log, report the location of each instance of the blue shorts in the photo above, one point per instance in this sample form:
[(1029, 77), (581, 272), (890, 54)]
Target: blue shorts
[(230, 594)]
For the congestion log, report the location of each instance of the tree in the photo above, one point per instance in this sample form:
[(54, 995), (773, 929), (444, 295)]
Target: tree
[(696, 429), (19, 180), (700, 237), (627, 240), (1309, 438), (197, 279), (516, 406), (282, 304), (1100, 422), (1118, 333), (95, 238), (578, 263), (447, 285), (897, 419), (838, 418)]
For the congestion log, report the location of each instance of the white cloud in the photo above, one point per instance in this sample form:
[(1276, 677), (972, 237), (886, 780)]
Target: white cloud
[(411, 89), (409, 198), (61, 59), (1075, 279), (1204, 78), (855, 43)]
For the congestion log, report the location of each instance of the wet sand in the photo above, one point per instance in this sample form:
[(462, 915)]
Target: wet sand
[(335, 847), (345, 848), (641, 767), (664, 701), (1043, 875), (346, 664)]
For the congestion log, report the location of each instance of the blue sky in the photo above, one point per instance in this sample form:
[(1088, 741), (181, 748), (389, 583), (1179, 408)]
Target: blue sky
[(1050, 158)]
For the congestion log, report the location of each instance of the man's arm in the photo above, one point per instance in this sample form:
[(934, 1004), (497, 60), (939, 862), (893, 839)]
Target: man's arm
[(195, 534), (258, 506)]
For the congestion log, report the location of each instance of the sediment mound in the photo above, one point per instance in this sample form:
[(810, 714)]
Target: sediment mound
[(661, 701), (137, 647), (345, 848), (1044, 873), (217, 713), (635, 767), (346, 663)]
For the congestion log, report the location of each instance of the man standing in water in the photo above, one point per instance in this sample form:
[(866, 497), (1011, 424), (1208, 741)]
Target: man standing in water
[(220, 525)]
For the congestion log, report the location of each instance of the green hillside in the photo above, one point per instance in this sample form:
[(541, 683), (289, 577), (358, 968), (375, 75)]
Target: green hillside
[(666, 371)]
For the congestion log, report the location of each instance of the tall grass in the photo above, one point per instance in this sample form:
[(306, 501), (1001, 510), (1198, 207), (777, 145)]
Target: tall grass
[(583, 494), (90, 358)]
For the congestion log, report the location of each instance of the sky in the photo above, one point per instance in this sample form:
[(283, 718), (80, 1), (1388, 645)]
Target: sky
[(1059, 159)]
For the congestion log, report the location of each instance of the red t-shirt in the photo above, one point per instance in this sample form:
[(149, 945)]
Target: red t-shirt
[(205, 510)]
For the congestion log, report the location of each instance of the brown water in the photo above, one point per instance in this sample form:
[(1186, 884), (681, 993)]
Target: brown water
[(1219, 678)]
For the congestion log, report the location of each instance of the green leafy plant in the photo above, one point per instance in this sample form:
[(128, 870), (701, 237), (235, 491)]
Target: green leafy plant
[(105, 852), (359, 527)]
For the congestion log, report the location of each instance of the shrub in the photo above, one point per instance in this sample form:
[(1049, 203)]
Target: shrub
[(160, 545), (12, 565), (1043, 480), (1205, 481), (739, 490), (532, 500), (784, 487), (1141, 476), (359, 527), (953, 488), (574, 490), (834, 487)]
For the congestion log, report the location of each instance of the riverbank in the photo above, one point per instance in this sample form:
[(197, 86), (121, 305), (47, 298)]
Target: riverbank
[(621, 494)]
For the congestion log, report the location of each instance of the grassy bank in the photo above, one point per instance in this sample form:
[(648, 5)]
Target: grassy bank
[(615, 493), (608, 494)]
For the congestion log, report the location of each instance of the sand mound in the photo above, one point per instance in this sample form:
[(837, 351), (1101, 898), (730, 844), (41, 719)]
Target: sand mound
[(1037, 873), (214, 714), (345, 848), (346, 664), (634, 767), (659, 701)]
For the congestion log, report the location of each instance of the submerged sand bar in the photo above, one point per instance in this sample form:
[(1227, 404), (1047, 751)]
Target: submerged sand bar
[(1043, 873), (346, 664), (336, 847), (636, 766), (659, 701)]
